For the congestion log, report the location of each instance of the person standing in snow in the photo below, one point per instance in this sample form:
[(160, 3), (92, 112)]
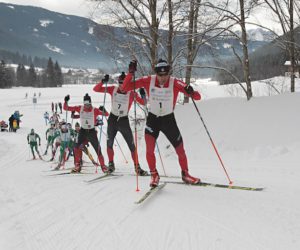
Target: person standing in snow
[(46, 117), (60, 107), (52, 107), (162, 90), (88, 118), (121, 102), (32, 141)]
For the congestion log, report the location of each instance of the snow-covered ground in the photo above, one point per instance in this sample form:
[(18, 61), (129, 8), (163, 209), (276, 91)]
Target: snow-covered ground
[(258, 140)]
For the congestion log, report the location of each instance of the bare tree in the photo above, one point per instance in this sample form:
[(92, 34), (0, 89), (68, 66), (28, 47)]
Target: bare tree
[(285, 11), (235, 15)]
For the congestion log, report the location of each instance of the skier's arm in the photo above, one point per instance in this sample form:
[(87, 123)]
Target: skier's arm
[(47, 131), (99, 88), (186, 89), (139, 99), (71, 108), (99, 112), (28, 139), (128, 84)]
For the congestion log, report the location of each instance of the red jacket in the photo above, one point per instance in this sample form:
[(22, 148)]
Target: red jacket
[(144, 82), (110, 89), (89, 109)]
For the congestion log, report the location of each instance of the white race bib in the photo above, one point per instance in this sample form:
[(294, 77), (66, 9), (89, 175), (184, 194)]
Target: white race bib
[(87, 119), (161, 99), (120, 103)]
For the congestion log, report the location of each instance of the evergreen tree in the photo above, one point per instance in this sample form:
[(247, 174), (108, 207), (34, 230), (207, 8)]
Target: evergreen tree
[(50, 76), (58, 77), (32, 76), (6, 76), (21, 75)]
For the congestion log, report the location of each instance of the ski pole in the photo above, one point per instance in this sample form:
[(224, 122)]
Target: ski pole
[(212, 142), (162, 164), (103, 112), (135, 134)]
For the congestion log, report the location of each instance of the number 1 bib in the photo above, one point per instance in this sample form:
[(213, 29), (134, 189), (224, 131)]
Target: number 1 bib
[(161, 99)]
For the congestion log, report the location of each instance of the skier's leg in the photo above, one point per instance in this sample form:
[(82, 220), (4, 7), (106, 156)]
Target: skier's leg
[(171, 130), (111, 134), (151, 134)]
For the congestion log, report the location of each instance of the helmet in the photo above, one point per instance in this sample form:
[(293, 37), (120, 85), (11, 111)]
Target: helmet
[(77, 125), (32, 131), (162, 67)]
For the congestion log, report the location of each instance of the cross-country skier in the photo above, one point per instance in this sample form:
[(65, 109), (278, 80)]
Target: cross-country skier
[(88, 117), (162, 90), (121, 102), (50, 137), (32, 141), (65, 137)]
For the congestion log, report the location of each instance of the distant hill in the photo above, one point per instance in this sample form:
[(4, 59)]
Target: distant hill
[(265, 62), (80, 42)]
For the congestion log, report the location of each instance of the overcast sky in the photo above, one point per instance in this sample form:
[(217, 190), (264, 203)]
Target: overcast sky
[(73, 7), (84, 8)]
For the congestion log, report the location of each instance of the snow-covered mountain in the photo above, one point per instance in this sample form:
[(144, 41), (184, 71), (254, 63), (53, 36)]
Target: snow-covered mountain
[(78, 41)]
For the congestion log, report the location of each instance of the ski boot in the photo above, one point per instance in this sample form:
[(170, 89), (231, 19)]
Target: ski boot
[(104, 169), (154, 179), (111, 167), (76, 169), (139, 171), (188, 179)]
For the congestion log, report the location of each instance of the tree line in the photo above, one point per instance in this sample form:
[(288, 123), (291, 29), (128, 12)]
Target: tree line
[(16, 58), (50, 76)]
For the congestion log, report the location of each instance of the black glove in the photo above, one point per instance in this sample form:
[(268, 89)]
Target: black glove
[(102, 109), (142, 93), (105, 79), (189, 90), (67, 98), (132, 66)]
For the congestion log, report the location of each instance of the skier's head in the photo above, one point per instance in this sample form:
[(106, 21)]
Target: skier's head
[(64, 128), (87, 100), (121, 78), (32, 131), (162, 68), (77, 126), (52, 124), (69, 125)]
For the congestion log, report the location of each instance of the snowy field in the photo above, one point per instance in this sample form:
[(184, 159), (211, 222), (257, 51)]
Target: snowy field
[(258, 140)]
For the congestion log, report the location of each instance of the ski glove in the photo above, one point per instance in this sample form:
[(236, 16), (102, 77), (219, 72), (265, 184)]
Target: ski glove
[(105, 79), (67, 98), (189, 90), (142, 93), (102, 109), (132, 66)]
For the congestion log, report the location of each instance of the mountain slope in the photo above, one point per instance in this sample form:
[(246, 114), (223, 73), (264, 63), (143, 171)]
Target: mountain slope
[(78, 41)]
